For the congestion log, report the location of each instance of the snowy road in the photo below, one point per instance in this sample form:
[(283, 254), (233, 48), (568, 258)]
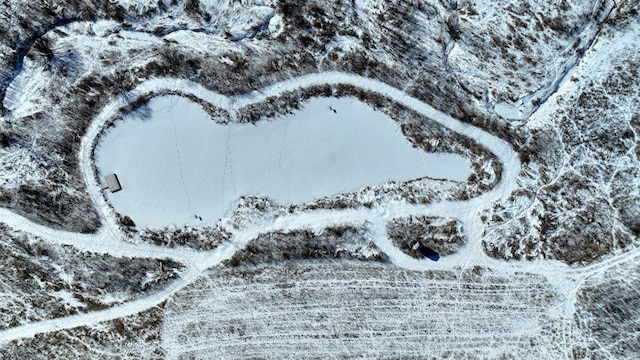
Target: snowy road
[(111, 240)]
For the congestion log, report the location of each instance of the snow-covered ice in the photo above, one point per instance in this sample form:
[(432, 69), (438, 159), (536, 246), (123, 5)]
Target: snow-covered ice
[(175, 163)]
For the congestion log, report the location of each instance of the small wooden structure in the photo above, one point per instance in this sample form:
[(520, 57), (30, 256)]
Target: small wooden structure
[(113, 184)]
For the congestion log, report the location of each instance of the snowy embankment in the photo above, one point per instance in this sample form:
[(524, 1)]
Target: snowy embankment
[(176, 163), (111, 240)]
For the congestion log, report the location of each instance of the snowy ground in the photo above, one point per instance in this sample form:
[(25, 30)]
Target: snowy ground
[(111, 240), (174, 162), (343, 310), (562, 280), (466, 305)]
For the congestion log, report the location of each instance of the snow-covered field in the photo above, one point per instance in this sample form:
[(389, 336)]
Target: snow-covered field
[(175, 163), (369, 310)]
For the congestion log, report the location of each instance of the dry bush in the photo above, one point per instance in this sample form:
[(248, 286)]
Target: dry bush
[(340, 241), (443, 235)]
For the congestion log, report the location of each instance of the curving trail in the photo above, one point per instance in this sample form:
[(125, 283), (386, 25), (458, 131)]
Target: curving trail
[(507, 156), (111, 240)]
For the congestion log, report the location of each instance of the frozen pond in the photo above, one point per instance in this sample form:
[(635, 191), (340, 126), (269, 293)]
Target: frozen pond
[(177, 163)]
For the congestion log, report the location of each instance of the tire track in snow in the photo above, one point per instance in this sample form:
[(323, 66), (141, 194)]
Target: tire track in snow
[(177, 147), (228, 164), (283, 173)]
